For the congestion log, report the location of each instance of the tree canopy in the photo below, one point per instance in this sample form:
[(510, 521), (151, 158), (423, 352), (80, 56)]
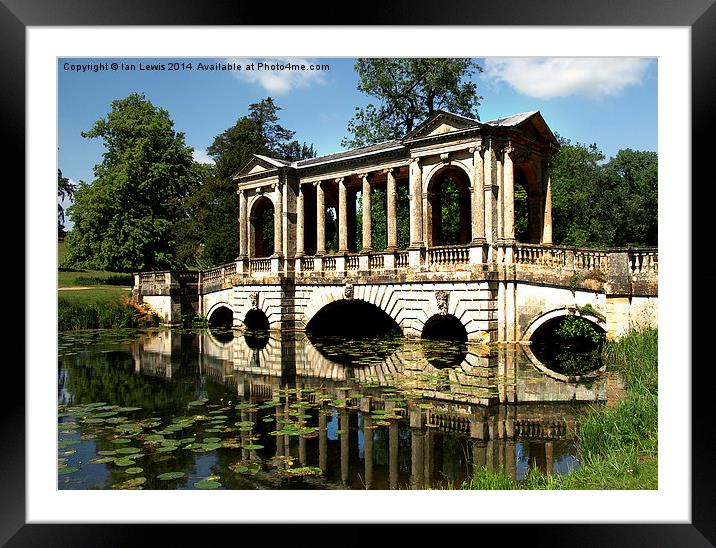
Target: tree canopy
[(597, 203), (408, 90), (208, 231), (124, 220), (65, 190)]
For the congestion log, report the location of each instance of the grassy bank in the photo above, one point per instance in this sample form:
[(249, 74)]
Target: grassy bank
[(618, 444), (89, 299)]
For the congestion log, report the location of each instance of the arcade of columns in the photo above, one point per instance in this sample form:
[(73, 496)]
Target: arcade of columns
[(488, 167)]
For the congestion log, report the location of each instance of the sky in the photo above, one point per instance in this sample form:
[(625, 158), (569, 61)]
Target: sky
[(610, 101)]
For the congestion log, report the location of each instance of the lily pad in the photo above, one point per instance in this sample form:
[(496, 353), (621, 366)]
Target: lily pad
[(63, 471), (170, 476), (207, 484), (134, 470)]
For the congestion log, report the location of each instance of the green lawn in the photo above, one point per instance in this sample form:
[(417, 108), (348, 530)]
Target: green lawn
[(89, 299)]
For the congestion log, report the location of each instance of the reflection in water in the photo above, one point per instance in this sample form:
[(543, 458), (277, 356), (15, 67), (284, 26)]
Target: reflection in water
[(290, 414)]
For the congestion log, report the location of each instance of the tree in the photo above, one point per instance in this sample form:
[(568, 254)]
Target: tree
[(65, 190), (209, 226), (125, 219), (631, 181), (278, 140), (575, 182), (604, 204), (408, 90)]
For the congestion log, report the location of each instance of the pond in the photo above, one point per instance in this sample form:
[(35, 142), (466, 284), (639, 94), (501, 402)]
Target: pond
[(171, 409)]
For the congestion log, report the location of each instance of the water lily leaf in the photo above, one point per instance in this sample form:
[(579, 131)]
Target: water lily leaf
[(64, 470), (127, 409), (207, 484), (133, 483), (128, 450), (212, 440), (167, 448), (253, 446), (170, 476), (134, 470), (121, 441), (124, 461), (102, 460)]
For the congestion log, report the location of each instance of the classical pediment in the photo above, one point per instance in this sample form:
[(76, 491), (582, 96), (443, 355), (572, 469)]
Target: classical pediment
[(259, 163), (440, 123)]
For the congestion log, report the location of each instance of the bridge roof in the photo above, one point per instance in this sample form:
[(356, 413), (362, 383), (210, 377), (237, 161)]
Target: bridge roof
[(440, 122)]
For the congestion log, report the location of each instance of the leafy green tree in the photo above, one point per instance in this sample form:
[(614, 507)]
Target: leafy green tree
[(575, 209), (630, 182), (278, 140), (598, 204), (65, 190), (209, 227), (125, 219), (407, 91)]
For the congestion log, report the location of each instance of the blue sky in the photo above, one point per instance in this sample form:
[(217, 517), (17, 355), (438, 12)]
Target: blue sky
[(609, 101)]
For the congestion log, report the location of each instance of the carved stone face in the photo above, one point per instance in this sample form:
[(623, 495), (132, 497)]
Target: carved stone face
[(442, 300), (254, 298), (348, 292)]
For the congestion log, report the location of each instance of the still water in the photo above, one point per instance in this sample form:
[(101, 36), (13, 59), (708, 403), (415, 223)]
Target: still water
[(170, 409)]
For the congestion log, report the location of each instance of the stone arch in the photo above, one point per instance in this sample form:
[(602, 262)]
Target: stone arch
[(261, 223), (382, 297), (529, 202), (543, 318), (216, 307), (435, 192)]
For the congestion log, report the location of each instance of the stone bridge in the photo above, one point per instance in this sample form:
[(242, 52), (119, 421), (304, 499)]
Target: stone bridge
[(494, 269)]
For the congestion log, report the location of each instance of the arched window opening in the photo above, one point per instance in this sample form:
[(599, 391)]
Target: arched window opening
[(570, 345), (262, 227), (449, 214)]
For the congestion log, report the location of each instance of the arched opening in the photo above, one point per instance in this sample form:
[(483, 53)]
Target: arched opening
[(262, 230), (528, 203), (570, 345), (444, 341), (353, 332), (221, 321), (257, 329), (449, 215)]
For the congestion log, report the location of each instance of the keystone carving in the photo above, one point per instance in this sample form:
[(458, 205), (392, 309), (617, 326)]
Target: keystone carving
[(442, 298), (254, 298), (348, 292)]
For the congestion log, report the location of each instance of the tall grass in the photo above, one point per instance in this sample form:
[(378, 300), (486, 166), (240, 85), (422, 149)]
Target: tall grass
[(78, 315), (618, 446)]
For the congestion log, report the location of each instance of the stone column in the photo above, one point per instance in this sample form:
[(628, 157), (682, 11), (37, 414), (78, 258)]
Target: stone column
[(243, 225), (478, 196), (368, 449), (278, 220), (392, 196), (508, 216), (320, 220), (342, 215), (393, 455), (416, 203), (367, 210), (300, 222), (547, 215)]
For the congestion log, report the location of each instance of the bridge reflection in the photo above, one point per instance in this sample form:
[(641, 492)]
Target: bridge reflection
[(494, 409)]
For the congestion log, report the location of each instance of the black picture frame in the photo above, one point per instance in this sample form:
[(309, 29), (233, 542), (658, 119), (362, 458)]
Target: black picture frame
[(698, 15)]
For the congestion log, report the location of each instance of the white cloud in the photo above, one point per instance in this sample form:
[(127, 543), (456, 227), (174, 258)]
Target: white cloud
[(545, 78), (279, 76), (200, 155)]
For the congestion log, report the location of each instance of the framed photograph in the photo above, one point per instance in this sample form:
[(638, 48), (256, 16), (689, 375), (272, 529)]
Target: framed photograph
[(301, 203)]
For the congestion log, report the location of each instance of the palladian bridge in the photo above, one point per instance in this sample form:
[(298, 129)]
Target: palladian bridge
[(466, 235)]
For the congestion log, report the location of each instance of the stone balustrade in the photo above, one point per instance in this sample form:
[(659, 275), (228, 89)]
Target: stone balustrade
[(644, 261), (448, 256), (641, 263)]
